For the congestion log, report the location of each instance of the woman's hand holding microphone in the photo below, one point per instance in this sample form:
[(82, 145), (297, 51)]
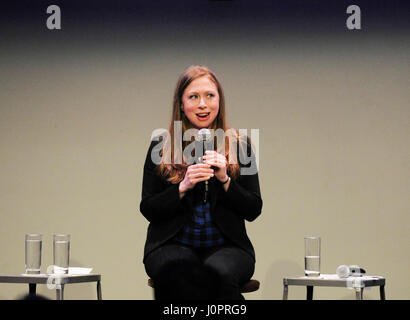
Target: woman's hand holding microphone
[(214, 164)]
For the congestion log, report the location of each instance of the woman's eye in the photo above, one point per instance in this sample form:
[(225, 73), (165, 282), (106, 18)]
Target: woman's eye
[(194, 96), (210, 95)]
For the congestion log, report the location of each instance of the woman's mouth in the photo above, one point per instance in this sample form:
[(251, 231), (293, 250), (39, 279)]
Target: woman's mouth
[(203, 116)]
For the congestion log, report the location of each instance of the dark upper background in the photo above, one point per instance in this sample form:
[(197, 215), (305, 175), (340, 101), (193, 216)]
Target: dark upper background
[(248, 17)]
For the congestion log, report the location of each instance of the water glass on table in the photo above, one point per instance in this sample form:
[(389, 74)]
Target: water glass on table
[(61, 253), (33, 246), (312, 256)]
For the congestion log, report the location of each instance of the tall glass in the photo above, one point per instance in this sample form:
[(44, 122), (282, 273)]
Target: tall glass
[(61, 252), (33, 246), (312, 256)]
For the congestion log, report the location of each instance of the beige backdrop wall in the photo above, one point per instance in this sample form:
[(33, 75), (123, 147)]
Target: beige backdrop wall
[(333, 115)]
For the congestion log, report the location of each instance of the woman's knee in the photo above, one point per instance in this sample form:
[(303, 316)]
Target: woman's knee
[(168, 255), (232, 265)]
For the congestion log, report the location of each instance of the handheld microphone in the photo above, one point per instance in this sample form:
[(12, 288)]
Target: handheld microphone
[(204, 137), (344, 271)]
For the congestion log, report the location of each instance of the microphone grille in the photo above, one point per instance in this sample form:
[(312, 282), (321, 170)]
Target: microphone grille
[(204, 134), (343, 271)]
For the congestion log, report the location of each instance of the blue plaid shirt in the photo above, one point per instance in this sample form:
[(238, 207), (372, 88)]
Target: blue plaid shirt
[(200, 231)]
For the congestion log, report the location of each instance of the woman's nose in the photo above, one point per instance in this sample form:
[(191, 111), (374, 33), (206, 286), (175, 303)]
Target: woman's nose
[(202, 102)]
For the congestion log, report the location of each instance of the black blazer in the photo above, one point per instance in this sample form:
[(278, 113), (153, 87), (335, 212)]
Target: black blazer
[(167, 213)]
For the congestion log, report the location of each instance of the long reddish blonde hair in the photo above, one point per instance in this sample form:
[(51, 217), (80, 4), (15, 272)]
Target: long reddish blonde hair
[(175, 173)]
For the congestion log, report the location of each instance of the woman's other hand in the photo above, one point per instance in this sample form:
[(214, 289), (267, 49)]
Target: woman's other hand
[(194, 174), (218, 161)]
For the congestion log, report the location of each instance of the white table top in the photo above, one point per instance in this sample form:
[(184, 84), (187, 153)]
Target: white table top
[(333, 280), (43, 277)]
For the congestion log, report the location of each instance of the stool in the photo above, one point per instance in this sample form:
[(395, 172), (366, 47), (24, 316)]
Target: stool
[(251, 286)]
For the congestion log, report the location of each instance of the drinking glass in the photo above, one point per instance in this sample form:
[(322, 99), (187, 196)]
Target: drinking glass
[(33, 245), (61, 252), (312, 256)]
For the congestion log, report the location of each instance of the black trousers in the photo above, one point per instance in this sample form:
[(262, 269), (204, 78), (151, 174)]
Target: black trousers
[(234, 266)]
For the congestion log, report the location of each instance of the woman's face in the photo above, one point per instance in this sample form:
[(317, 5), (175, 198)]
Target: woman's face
[(200, 102)]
